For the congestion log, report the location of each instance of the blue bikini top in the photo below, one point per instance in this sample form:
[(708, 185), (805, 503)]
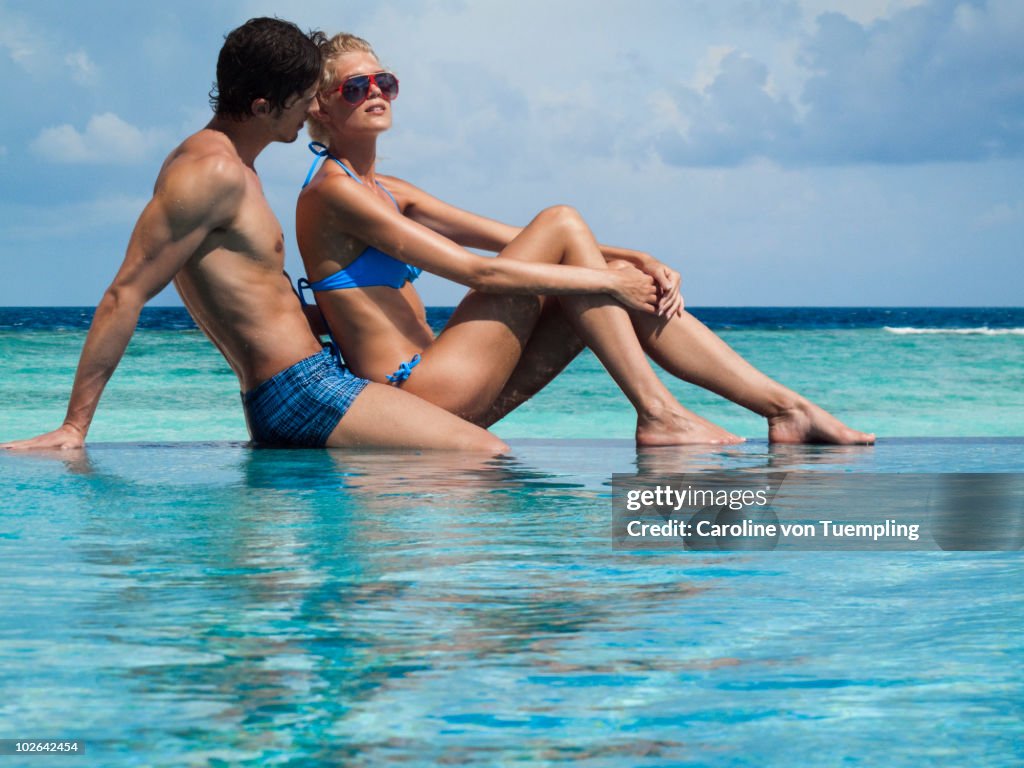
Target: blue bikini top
[(372, 266)]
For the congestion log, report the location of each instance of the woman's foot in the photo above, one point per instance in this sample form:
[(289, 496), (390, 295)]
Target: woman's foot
[(677, 426), (806, 422)]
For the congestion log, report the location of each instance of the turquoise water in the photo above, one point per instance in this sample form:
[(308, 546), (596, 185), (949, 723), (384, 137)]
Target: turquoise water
[(173, 597), (174, 386), (210, 604)]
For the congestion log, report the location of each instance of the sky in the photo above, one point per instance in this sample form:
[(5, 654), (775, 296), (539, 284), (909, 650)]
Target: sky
[(775, 152)]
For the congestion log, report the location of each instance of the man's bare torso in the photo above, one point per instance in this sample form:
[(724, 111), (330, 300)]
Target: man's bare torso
[(233, 285)]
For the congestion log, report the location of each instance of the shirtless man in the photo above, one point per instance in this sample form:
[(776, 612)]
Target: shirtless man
[(210, 230)]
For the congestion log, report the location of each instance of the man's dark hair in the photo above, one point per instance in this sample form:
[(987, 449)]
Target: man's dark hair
[(264, 59)]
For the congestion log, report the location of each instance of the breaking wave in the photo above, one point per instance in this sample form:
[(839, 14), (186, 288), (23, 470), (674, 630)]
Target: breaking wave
[(982, 331)]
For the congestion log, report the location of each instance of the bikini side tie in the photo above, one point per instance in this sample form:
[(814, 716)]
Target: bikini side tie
[(404, 371)]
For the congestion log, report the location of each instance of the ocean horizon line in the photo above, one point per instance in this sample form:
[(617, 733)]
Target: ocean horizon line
[(898, 321), (689, 307)]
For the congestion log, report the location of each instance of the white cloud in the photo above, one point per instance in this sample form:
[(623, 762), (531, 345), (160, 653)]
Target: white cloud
[(799, 82), (862, 11), (33, 45), (736, 117), (52, 221), (710, 67), (1000, 215), (83, 70), (933, 82), (20, 41), (107, 139)]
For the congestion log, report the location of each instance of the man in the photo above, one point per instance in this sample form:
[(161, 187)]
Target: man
[(210, 230)]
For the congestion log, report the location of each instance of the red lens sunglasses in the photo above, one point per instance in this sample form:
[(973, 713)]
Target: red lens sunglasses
[(356, 89)]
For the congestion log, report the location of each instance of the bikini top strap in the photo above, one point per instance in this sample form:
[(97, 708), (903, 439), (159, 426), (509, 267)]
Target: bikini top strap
[(301, 285), (346, 170), (320, 153), (360, 181), (391, 196)]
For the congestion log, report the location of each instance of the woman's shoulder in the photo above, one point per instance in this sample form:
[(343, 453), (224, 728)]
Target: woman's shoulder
[(330, 189)]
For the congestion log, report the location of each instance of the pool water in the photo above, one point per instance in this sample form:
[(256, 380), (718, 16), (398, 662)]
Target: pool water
[(186, 604)]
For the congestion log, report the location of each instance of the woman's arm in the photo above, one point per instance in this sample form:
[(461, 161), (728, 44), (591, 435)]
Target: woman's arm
[(474, 231), (668, 280), (468, 229), (377, 223)]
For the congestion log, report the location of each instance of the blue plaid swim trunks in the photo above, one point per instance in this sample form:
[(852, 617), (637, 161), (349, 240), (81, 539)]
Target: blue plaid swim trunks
[(302, 404)]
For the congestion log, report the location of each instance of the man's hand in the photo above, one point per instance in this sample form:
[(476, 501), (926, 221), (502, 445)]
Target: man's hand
[(66, 438), (192, 198)]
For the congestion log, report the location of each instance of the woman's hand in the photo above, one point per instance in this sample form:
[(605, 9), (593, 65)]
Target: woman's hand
[(666, 279), (670, 300), (632, 287)]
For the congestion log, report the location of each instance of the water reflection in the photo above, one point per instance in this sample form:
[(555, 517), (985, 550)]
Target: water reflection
[(755, 456), (261, 600), (228, 604)]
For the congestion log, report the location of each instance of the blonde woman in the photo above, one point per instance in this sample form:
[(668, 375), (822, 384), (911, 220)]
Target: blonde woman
[(364, 238)]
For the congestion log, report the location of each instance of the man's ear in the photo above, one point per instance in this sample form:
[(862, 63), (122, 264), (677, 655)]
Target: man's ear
[(316, 111), (260, 107)]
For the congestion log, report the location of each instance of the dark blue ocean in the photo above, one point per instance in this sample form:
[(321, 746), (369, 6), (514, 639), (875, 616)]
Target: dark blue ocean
[(717, 318)]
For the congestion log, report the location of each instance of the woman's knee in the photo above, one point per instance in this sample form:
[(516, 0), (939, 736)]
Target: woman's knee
[(565, 218), (566, 222)]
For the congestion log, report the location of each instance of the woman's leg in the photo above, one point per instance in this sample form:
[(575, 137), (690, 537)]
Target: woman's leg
[(689, 350), (386, 417), (552, 345), (465, 368), (494, 330)]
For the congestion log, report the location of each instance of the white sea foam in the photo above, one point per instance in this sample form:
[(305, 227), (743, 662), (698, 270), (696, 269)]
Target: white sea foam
[(982, 331)]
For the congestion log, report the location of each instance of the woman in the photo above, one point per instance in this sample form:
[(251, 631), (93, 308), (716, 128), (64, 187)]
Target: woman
[(364, 238)]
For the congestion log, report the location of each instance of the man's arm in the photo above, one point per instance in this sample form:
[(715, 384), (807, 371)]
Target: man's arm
[(189, 203)]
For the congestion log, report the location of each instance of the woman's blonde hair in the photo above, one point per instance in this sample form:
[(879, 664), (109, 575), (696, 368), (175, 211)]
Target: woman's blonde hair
[(330, 52)]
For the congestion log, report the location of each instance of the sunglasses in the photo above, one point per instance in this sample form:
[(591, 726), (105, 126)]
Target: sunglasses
[(356, 89)]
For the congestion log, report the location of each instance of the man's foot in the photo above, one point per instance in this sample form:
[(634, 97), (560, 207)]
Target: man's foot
[(805, 422), (680, 427)]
